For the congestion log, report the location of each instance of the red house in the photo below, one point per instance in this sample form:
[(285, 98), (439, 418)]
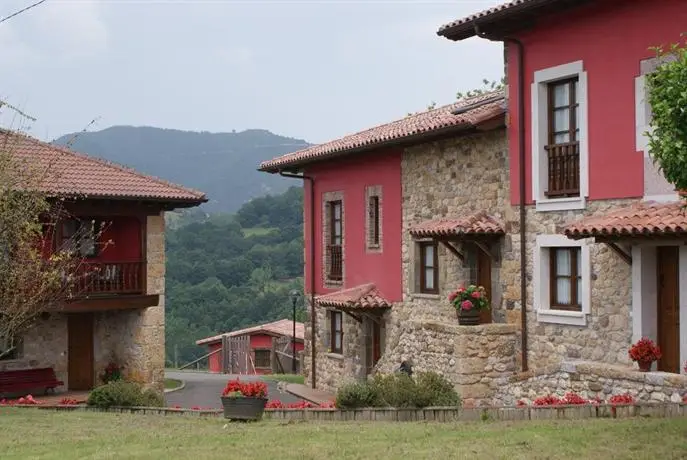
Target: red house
[(253, 347), (602, 230), (117, 315)]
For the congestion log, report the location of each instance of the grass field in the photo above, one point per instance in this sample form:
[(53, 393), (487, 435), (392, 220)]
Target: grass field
[(290, 378), (60, 435), (172, 383)]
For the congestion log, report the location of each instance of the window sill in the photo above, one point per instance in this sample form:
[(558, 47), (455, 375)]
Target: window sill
[(333, 284), (569, 318), (560, 204), (422, 295), (335, 356)]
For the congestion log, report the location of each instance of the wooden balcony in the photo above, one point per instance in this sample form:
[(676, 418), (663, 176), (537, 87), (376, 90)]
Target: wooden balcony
[(564, 170), (109, 278)]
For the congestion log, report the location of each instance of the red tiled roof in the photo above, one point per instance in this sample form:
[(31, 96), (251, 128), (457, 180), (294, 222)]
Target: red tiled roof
[(283, 327), (480, 223), (71, 174), (641, 219), (485, 107), (501, 15), (365, 296)]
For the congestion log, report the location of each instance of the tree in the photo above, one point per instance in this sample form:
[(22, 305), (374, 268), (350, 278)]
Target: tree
[(667, 95), (34, 276)]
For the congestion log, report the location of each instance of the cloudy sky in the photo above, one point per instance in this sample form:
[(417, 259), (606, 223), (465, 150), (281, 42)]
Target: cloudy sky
[(309, 69)]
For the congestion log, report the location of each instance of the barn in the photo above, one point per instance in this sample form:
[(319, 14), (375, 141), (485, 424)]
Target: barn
[(262, 349)]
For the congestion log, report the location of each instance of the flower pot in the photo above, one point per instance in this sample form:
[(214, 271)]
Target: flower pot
[(243, 408), (468, 317), (645, 366)]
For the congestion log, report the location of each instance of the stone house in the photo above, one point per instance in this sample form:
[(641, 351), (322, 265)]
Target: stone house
[(119, 315), (603, 235), (404, 213)]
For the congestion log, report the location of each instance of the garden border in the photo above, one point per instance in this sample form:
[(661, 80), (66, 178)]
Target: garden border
[(432, 414)]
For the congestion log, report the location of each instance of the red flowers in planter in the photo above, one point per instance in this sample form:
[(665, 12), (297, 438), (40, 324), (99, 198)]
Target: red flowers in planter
[(27, 400), (237, 389), (277, 404), (645, 351), (68, 402), (469, 298)]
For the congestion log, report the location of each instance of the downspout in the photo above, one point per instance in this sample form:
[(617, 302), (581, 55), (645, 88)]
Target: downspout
[(313, 352), (522, 179)]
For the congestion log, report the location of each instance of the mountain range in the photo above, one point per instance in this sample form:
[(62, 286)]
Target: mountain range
[(223, 165)]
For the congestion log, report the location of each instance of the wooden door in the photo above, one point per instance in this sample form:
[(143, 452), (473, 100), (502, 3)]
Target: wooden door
[(376, 343), (668, 308), (484, 279), (80, 351)]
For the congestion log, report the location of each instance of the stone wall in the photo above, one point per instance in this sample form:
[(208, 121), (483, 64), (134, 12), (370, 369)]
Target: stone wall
[(333, 369), (606, 336), (591, 380), (44, 345), (477, 359)]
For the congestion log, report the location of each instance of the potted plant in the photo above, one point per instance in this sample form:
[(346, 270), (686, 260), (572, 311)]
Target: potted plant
[(645, 352), (244, 400), (468, 303)]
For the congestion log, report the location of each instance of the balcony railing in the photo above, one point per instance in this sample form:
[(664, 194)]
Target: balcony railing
[(564, 170), (102, 278), (335, 262)]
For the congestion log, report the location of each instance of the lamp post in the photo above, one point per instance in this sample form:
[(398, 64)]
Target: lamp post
[(295, 295)]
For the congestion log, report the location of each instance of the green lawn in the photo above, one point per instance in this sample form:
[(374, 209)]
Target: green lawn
[(291, 378), (172, 383), (62, 435)]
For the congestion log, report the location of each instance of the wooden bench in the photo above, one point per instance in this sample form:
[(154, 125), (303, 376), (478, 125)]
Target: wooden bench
[(28, 379)]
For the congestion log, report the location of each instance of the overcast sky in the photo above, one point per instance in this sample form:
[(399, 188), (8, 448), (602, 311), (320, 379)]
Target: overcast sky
[(315, 70)]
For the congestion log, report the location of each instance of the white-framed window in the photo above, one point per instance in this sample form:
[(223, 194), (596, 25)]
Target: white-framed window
[(656, 187), (562, 280), (560, 141)]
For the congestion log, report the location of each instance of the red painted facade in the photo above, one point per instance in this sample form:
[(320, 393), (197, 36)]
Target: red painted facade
[(257, 342), (351, 176), (611, 38)]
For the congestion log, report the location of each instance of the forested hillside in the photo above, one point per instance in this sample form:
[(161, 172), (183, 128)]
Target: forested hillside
[(227, 271), (223, 165)]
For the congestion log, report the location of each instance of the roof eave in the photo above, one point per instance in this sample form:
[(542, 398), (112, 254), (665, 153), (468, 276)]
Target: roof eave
[(506, 20), (462, 128)]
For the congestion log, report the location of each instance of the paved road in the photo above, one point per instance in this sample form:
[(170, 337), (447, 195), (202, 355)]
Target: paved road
[(204, 389)]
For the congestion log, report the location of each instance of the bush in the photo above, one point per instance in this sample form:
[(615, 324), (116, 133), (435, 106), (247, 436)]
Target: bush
[(436, 390), (119, 393), (399, 390), (356, 395)]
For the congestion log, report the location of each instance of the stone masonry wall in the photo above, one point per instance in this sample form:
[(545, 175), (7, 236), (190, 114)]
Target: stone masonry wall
[(477, 359), (591, 380), (607, 335), (334, 370)]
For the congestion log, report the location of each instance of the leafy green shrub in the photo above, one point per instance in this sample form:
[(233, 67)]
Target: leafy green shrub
[(119, 393), (357, 395), (435, 390), (397, 390)]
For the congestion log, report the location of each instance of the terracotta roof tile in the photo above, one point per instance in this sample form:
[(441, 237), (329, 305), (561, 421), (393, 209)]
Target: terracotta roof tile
[(485, 107), (365, 296), (480, 223), (641, 219), (72, 174), (465, 27), (282, 327)]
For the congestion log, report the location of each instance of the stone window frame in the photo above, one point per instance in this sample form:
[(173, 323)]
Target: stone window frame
[(417, 268), (643, 115), (540, 135), (370, 245), (542, 280), (327, 198)]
